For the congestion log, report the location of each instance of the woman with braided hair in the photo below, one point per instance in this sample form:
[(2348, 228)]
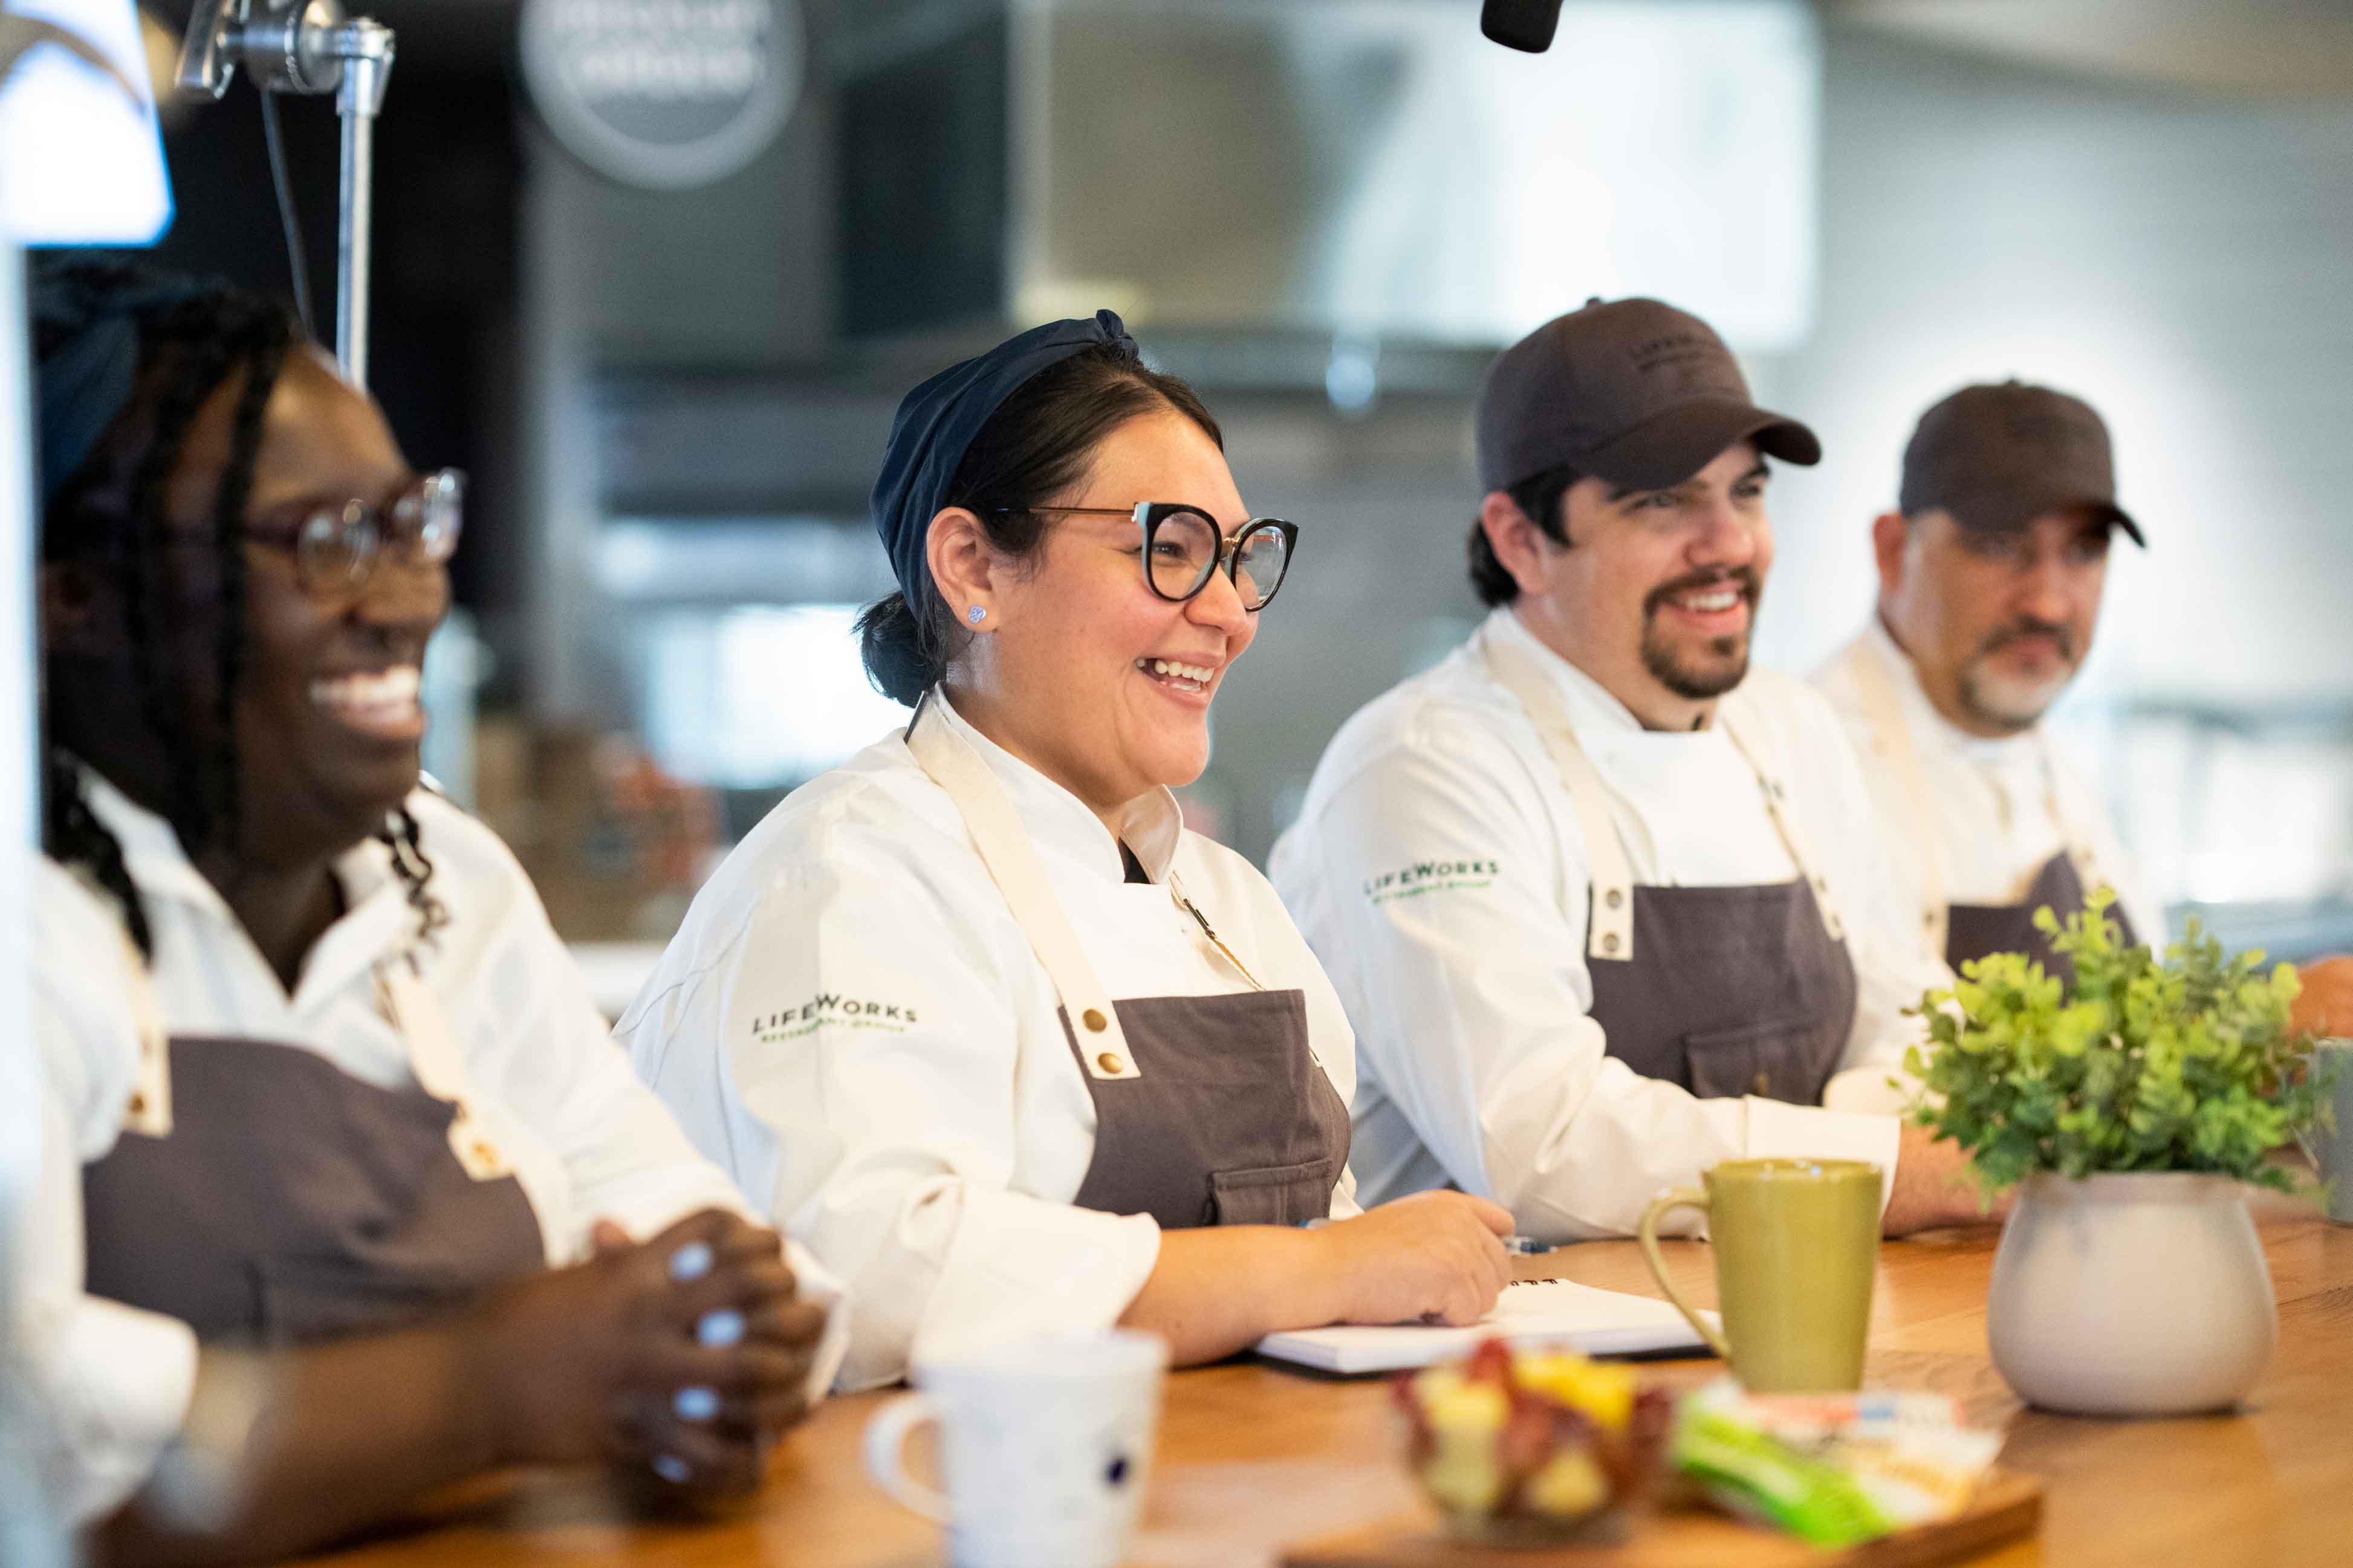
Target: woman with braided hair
[(343, 1172)]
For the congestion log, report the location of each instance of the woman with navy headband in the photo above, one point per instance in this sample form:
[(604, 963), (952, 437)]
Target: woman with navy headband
[(974, 1015)]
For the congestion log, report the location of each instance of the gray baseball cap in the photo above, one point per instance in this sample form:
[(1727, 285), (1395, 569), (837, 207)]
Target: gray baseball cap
[(1630, 390), (1996, 458)]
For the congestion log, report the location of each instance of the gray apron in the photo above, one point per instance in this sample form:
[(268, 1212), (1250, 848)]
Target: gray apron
[(262, 1196), (1208, 1110), (1958, 933), (1972, 930), (1723, 991)]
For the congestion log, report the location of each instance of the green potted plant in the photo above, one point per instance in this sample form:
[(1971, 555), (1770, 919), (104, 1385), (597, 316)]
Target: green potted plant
[(2131, 1114)]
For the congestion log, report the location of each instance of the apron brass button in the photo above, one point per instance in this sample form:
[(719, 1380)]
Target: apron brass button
[(1094, 1021), (1610, 941), (138, 1105), (1614, 898), (1111, 1064), (1763, 1083)]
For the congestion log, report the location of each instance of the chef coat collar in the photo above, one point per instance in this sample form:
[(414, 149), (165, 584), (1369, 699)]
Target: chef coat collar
[(375, 925), (1602, 722), (2008, 751), (1151, 828)]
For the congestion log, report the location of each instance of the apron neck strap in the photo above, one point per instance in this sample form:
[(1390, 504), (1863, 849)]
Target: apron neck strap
[(1610, 927), (1776, 806), (1012, 860), (1892, 739), (409, 1006), (1609, 931), (433, 1058)]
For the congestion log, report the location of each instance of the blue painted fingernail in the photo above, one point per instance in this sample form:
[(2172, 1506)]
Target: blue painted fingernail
[(696, 1404), (721, 1329), (673, 1469), (692, 1261)]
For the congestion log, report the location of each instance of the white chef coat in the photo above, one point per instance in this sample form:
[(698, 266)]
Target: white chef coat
[(1989, 802), (1438, 869), (854, 1024), (585, 1139)]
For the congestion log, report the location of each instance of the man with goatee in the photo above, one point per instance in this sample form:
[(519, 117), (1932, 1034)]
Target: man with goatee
[(1991, 570), (1606, 906)]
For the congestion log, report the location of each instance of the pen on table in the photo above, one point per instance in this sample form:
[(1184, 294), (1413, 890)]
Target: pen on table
[(1526, 1245)]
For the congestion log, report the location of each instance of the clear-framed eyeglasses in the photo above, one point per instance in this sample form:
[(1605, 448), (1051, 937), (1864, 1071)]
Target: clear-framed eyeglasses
[(1184, 548), (336, 547)]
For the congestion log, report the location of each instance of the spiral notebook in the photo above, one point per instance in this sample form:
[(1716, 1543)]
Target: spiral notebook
[(1534, 1312)]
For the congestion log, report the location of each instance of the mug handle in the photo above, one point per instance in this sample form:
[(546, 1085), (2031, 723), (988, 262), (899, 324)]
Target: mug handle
[(1677, 1198), (886, 1443)]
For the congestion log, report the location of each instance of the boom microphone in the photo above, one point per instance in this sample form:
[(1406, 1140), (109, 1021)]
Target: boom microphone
[(1521, 24)]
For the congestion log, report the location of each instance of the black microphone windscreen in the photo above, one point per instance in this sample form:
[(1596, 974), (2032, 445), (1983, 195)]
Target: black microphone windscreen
[(1521, 24)]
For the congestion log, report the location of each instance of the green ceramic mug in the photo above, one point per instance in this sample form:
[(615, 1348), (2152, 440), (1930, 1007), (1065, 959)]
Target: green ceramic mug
[(1796, 1244)]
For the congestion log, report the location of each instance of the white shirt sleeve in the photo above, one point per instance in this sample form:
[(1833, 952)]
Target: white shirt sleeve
[(627, 1158), (1476, 1006), (107, 1385), (875, 1032)]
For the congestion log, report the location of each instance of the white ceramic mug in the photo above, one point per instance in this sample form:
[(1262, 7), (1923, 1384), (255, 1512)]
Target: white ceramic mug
[(1045, 1445)]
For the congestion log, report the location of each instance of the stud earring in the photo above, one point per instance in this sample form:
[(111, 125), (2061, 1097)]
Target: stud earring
[(975, 614)]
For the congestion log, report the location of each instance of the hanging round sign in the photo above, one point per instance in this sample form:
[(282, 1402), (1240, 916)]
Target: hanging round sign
[(667, 94)]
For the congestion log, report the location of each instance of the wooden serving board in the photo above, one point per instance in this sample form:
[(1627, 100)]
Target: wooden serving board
[(2006, 1508)]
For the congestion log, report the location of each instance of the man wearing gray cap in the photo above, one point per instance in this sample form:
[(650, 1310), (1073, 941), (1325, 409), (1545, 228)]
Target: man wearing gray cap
[(1607, 907), (1990, 572)]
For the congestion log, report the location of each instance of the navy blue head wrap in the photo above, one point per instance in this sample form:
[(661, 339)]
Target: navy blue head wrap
[(937, 422), (86, 379), (84, 386)]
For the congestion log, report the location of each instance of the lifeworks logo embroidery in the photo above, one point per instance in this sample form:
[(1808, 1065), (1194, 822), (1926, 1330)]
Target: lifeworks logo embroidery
[(1430, 876), (825, 1010)]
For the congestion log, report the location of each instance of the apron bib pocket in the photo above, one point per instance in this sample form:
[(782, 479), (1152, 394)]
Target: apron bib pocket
[(1272, 1194), (1776, 1059)]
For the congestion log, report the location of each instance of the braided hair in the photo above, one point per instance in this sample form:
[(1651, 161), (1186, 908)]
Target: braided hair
[(193, 336)]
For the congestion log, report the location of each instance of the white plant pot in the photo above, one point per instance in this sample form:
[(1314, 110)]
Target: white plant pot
[(2131, 1294)]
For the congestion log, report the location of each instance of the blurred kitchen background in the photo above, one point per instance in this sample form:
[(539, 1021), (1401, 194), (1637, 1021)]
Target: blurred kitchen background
[(660, 301)]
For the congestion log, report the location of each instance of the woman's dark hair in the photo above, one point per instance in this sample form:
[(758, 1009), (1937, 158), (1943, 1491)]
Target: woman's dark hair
[(193, 337), (1033, 448), (1540, 496)]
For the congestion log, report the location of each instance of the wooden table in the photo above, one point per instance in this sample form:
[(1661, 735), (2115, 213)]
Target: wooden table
[(1252, 1457)]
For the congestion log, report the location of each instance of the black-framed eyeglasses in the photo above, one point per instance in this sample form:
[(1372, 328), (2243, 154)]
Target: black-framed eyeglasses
[(1184, 547), (336, 547)]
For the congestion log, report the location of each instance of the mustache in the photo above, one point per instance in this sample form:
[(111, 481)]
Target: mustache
[(2062, 635), (1744, 578)]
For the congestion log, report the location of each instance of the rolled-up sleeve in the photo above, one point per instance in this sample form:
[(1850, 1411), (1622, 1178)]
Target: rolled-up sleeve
[(1475, 1002), (554, 1066), (107, 1385), (874, 1037)]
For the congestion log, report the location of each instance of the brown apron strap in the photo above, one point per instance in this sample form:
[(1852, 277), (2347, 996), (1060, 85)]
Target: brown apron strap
[(149, 1111), (1776, 806), (1013, 864), (1611, 933), (1882, 706), (1883, 710), (1611, 928), (433, 1058)]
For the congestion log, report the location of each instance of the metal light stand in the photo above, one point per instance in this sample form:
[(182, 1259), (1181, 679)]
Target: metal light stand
[(309, 47)]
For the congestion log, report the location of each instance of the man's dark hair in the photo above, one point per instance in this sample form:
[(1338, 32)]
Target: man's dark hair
[(193, 337), (1542, 497)]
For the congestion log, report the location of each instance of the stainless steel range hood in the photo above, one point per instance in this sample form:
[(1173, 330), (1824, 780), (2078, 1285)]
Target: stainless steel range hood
[(1366, 169)]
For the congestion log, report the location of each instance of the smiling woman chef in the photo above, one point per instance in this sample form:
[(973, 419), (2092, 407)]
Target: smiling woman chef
[(332, 1084), (984, 1024)]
